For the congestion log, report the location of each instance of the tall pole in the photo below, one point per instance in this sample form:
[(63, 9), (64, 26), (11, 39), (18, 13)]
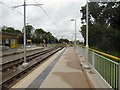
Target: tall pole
[(25, 63), (24, 32), (75, 32), (87, 46), (87, 24)]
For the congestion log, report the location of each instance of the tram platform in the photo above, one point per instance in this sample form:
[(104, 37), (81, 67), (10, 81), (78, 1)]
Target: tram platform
[(62, 70)]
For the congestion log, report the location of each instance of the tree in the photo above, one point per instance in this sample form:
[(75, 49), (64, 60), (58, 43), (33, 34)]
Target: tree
[(104, 25), (29, 31), (39, 35), (61, 40), (11, 30), (6, 29)]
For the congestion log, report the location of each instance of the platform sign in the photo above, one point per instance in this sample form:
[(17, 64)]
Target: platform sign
[(29, 40), (13, 43)]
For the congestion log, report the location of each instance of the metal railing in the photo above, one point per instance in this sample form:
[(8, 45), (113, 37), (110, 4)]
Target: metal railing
[(108, 69)]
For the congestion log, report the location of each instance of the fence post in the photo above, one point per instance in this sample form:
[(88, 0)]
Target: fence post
[(81, 51), (119, 77), (93, 61)]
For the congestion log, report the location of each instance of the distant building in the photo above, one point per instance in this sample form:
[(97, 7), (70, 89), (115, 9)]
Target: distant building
[(9, 39)]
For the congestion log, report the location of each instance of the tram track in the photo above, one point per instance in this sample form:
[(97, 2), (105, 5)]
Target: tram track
[(33, 61), (19, 61)]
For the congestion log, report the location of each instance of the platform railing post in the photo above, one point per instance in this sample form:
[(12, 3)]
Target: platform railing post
[(81, 51), (86, 55), (86, 64), (119, 77), (93, 61)]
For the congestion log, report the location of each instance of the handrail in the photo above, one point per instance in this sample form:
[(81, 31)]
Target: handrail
[(102, 64), (105, 54)]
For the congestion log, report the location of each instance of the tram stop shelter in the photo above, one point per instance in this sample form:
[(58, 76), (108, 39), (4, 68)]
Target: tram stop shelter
[(9, 39)]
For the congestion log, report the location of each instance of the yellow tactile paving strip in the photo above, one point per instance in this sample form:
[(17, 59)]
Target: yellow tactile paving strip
[(67, 73)]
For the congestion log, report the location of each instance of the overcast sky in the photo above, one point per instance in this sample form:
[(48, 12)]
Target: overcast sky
[(59, 12)]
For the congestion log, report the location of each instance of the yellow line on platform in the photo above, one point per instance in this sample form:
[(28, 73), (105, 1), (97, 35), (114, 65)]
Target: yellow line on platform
[(102, 53)]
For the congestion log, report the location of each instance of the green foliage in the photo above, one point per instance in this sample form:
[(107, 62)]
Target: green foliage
[(104, 25), (37, 36), (40, 35), (29, 31), (11, 30), (61, 40)]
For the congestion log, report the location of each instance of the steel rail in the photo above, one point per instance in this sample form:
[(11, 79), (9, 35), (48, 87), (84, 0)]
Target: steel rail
[(6, 83), (10, 64)]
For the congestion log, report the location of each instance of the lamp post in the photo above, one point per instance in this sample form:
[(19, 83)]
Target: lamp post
[(86, 66), (75, 31), (87, 24)]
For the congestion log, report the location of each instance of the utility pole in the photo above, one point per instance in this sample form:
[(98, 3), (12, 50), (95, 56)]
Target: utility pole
[(86, 66), (75, 31), (25, 64), (87, 24)]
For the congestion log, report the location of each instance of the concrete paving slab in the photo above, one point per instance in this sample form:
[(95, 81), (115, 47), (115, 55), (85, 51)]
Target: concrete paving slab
[(67, 73), (94, 79)]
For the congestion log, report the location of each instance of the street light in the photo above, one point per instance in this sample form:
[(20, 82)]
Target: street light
[(75, 31), (87, 24), (87, 46)]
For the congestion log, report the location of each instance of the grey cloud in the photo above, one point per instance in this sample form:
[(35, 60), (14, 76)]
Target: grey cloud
[(58, 21), (103, 0)]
